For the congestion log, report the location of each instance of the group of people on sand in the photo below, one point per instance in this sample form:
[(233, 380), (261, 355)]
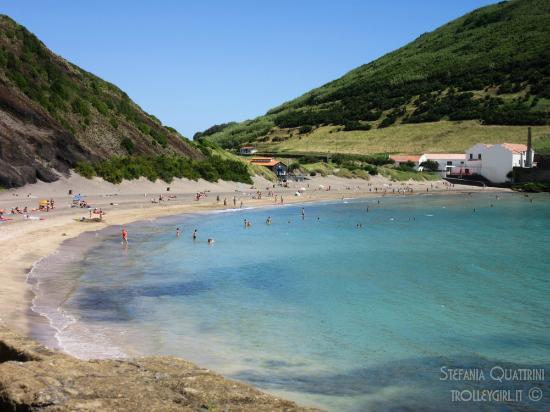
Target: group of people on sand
[(200, 195), (26, 212), (46, 206)]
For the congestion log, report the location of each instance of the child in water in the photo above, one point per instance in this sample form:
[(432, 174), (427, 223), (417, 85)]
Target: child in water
[(124, 236)]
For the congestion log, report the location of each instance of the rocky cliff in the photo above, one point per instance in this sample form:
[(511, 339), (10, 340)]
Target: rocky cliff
[(54, 114)]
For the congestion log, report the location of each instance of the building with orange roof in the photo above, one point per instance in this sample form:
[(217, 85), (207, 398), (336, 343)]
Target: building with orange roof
[(400, 159), (276, 166)]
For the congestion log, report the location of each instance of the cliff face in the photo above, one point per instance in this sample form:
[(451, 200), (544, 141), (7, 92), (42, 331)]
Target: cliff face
[(32, 144), (33, 378), (54, 114)]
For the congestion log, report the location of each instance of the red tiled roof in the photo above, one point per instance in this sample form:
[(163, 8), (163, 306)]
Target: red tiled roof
[(444, 156), (405, 158), (264, 161), (514, 147)]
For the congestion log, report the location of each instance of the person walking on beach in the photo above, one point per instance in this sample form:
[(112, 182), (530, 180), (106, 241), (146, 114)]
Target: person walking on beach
[(124, 236), (225, 201), (234, 201)]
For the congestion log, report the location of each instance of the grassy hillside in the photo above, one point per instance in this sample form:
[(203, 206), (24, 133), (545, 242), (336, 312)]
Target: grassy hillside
[(491, 66), (418, 138)]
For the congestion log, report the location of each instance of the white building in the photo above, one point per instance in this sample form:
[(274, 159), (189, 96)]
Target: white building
[(446, 161), (247, 150), (494, 162)]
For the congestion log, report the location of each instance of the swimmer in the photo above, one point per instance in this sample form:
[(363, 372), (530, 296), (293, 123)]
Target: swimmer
[(210, 242), (268, 221)]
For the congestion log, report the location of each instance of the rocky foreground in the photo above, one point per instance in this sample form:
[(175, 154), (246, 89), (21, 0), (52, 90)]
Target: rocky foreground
[(34, 378)]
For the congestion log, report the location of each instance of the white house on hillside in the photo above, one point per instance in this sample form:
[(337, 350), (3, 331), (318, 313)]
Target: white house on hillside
[(494, 162), (446, 161), (247, 150)]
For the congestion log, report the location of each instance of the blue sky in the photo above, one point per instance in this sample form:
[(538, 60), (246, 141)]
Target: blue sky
[(197, 63)]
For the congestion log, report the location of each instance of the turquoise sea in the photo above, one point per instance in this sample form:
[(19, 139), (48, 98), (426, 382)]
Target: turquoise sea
[(319, 310)]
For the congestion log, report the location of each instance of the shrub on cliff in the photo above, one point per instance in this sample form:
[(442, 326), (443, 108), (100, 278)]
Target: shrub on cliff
[(166, 168)]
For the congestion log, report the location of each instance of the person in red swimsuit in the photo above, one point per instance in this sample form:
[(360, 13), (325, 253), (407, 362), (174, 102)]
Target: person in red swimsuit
[(124, 236)]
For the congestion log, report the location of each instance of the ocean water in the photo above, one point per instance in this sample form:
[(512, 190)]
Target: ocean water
[(317, 309)]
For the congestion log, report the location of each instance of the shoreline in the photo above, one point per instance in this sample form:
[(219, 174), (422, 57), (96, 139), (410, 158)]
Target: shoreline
[(45, 237)]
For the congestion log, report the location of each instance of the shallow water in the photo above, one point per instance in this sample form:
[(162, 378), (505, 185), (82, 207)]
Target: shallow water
[(319, 310)]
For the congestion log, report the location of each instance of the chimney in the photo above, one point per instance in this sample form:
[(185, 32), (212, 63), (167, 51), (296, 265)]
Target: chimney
[(529, 160)]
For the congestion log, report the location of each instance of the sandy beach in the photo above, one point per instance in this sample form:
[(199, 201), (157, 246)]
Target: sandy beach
[(25, 241)]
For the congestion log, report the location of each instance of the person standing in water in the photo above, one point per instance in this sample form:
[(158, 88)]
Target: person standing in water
[(303, 213), (195, 234), (124, 236), (268, 221), (177, 232)]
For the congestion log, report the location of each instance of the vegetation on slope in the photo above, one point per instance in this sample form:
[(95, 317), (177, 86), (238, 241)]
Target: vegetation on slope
[(213, 167), (100, 116), (491, 65)]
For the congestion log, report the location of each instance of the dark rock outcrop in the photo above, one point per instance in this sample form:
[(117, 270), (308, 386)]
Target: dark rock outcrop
[(32, 145), (33, 378)]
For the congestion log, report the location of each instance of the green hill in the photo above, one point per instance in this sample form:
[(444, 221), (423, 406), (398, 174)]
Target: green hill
[(488, 68), (55, 116)]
